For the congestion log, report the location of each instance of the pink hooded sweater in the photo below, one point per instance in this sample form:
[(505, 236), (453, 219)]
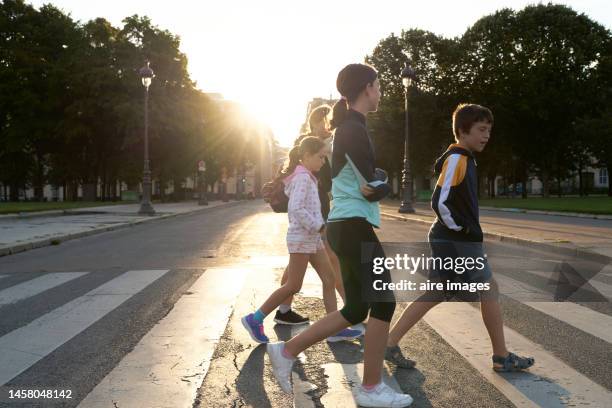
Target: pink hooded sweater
[(304, 210)]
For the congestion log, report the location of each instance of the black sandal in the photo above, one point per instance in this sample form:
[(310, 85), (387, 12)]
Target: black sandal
[(511, 363), (395, 356)]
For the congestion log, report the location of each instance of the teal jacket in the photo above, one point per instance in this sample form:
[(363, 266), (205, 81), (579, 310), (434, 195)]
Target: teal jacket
[(353, 164)]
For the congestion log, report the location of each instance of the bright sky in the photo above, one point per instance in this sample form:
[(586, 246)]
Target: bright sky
[(274, 56)]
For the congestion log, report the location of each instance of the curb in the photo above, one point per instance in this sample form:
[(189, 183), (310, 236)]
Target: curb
[(63, 238), (52, 213), (33, 214), (559, 213), (573, 252)]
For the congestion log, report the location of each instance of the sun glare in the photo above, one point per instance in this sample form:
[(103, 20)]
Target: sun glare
[(283, 118), (273, 98)]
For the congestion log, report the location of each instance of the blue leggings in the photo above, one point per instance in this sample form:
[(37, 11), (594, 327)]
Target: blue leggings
[(346, 238)]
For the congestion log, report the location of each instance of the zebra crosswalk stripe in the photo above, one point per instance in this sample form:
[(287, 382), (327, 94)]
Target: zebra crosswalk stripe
[(589, 321), (176, 353), (35, 286), (550, 382), (343, 379), (23, 347), (603, 288)]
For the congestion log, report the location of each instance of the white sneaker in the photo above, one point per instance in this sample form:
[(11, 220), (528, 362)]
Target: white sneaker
[(281, 365), (382, 396)]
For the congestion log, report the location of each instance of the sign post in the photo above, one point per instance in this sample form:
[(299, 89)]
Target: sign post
[(202, 200), (224, 185)]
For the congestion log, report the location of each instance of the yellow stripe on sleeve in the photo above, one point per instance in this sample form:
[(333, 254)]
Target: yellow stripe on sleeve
[(458, 171)]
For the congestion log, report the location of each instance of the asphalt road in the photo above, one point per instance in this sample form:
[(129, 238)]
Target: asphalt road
[(149, 316)]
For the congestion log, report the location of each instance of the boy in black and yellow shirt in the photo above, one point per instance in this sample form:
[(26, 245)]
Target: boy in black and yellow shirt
[(456, 233)]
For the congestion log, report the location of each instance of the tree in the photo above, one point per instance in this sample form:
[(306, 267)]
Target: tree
[(541, 70), (535, 69), (430, 127), (38, 53), (71, 106)]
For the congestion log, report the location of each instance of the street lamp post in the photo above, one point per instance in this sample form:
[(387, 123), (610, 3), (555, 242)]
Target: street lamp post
[(408, 76), (146, 74)]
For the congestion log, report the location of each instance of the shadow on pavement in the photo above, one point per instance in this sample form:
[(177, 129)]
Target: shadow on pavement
[(250, 381)]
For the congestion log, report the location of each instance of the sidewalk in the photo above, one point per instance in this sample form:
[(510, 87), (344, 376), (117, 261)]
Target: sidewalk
[(576, 236), (19, 233)]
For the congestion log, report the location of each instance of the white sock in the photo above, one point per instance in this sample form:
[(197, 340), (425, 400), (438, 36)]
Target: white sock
[(284, 308)]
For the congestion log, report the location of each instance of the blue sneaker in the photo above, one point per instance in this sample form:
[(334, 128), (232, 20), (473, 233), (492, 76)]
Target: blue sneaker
[(346, 334), (255, 329)]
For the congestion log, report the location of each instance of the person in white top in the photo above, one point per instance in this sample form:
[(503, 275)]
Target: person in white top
[(318, 125), (304, 210)]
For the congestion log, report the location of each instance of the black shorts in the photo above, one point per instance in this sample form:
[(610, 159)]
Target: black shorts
[(455, 255)]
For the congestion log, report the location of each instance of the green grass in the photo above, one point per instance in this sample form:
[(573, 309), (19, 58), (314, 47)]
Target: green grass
[(590, 205), (12, 208)]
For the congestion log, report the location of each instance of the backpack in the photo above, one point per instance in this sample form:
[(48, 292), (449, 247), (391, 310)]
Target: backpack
[(273, 193)]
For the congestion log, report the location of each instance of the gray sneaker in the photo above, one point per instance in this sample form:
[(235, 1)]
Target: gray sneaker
[(395, 356)]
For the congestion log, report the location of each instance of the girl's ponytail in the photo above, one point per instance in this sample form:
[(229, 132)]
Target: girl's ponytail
[(308, 144), (351, 81), (292, 162), (339, 112)]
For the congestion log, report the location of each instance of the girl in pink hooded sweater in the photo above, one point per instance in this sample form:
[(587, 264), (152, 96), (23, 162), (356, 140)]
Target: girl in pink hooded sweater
[(304, 210), (306, 226)]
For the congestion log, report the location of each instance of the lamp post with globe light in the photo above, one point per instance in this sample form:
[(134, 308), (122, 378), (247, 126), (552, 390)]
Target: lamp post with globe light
[(146, 208), (408, 76)]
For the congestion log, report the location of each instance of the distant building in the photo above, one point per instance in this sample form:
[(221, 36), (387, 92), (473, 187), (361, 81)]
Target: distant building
[(595, 180), (215, 96)]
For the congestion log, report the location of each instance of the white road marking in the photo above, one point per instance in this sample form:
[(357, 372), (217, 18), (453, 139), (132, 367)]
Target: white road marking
[(549, 383), (23, 347), (35, 286), (583, 318), (343, 381), (167, 366)]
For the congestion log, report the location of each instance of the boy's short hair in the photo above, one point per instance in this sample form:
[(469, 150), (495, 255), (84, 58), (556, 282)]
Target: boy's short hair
[(466, 114)]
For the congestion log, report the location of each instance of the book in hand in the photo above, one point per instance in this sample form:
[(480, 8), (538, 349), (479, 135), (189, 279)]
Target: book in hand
[(380, 177)]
